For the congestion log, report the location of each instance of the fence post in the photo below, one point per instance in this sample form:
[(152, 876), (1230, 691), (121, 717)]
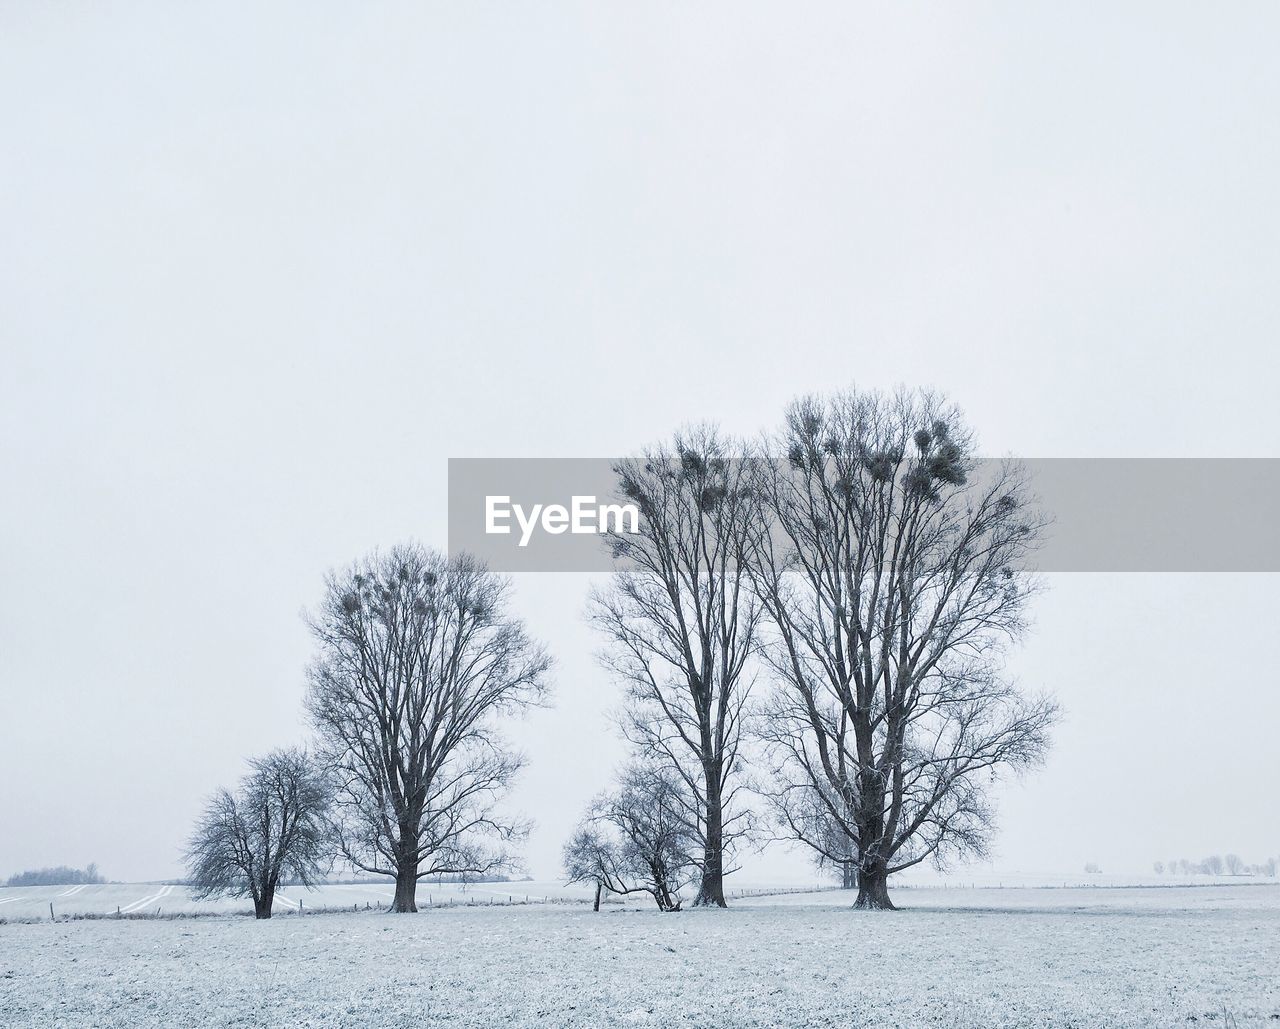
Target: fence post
[(51, 915)]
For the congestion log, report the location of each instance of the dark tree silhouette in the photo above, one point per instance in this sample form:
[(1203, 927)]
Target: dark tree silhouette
[(272, 828), (893, 579), (418, 662), (681, 625), (636, 838)]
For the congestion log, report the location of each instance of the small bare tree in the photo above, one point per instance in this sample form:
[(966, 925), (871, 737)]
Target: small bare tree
[(1235, 864), (591, 856), (272, 829), (681, 624), (892, 579), (834, 850), (418, 662), (636, 839)]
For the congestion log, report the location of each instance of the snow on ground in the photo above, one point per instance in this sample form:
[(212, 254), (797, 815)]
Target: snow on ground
[(26, 902), (977, 876), (1143, 957)]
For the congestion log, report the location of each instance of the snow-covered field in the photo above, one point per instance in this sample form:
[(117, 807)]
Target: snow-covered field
[(19, 903), (32, 902), (952, 957)]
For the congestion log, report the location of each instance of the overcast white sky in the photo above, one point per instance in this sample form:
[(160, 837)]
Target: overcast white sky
[(262, 273)]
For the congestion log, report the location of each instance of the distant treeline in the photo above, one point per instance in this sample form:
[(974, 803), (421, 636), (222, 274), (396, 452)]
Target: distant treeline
[(1216, 864), (60, 876)]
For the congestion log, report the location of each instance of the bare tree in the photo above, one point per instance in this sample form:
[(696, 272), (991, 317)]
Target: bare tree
[(273, 828), (681, 624), (892, 582), (834, 849), (590, 856), (1235, 864), (1213, 865), (636, 839), (418, 662)]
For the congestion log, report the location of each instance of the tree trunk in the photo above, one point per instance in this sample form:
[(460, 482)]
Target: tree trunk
[(873, 866), (711, 888), (848, 874), (598, 889), (406, 898), (262, 904), (661, 892), (873, 889)]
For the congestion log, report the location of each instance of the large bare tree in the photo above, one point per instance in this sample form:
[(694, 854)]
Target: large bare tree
[(894, 579), (418, 662), (681, 623), (273, 828)]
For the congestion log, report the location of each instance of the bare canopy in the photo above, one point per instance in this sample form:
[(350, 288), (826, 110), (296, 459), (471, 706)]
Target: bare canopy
[(893, 580), (681, 622), (273, 828), (418, 663), (635, 839)]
